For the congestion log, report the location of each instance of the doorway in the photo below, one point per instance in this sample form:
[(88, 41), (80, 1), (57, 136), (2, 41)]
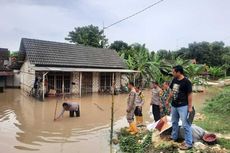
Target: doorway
[(87, 83)]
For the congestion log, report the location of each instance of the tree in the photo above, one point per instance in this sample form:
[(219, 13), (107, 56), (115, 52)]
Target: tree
[(215, 72), (137, 57), (88, 36), (119, 45), (164, 54), (226, 60)]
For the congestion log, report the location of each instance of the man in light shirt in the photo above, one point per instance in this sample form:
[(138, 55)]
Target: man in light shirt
[(155, 101), (72, 107)]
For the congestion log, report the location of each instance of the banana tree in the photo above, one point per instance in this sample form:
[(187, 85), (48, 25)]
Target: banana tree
[(215, 72)]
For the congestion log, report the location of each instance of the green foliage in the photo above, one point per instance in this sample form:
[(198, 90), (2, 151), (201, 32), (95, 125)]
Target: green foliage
[(14, 54), (138, 58), (215, 72), (135, 143), (220, 104), (119, 45), (212, 54), (217, 112), (224, 143), (88, 36)]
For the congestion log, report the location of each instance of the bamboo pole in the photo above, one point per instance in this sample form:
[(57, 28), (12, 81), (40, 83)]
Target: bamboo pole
[(112, 111), (55, 111)]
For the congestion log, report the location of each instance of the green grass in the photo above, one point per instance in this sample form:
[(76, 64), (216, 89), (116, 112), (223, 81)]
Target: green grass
[(138, 143), (224, 143), (217, 113), (217, 116)]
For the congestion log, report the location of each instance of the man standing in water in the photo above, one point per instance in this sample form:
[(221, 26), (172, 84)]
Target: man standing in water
[(181, 105), (131, 108), (155, 101), (72, 107)]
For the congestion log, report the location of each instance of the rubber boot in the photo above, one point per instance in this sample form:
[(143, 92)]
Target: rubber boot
[(129, 129), (141, 119), (134, 129), (137, 120)]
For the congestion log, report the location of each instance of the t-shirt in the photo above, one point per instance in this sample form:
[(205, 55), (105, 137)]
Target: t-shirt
[(156, 96), (180, 89), (139, 99), (73, 107), (131, 100)]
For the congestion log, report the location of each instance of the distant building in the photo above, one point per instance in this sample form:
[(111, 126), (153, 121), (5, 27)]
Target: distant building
[(68, 68), (9, 77)]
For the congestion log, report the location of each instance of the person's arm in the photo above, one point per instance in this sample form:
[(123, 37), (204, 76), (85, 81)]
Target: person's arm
[(61, 114), (131, 102), (189, 90), (160, 95), (170, 94), (142, 99)]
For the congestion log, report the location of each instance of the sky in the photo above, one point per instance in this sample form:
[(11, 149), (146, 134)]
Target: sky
[(170, 25)]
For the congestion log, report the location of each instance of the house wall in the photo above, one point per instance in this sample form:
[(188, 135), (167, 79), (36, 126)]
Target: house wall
[(27, 76), (76, 80), (96, 81), (118, 80), (13, 81)]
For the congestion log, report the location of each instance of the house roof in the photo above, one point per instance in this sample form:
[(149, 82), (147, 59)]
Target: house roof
[(4, 54), (56, 54)]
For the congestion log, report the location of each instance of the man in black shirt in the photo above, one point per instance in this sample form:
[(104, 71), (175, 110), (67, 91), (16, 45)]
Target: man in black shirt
[(181, 105)]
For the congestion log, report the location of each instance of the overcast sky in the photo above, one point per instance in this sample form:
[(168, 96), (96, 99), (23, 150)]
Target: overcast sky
[(169, 25)]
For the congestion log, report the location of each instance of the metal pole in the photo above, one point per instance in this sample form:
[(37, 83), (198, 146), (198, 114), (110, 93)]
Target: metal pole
[(112, 111), (63, 87), (43, 85), (80, 83)]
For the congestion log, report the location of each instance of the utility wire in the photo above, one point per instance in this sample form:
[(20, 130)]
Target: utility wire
[(146, 8)]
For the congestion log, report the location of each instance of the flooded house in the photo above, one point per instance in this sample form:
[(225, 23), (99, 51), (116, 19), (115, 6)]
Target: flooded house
[(9, 77), (55, 67)]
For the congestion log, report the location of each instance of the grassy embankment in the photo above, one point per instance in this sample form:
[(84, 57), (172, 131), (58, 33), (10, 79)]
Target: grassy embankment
[(217, 116)]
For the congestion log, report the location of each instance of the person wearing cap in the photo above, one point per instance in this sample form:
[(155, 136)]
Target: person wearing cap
[(155, 101), (139, 103), (131, 108), (181, 96), (72, 107)]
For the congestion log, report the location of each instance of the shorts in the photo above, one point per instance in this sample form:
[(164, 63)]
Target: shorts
[(77, 112), (138, 111)]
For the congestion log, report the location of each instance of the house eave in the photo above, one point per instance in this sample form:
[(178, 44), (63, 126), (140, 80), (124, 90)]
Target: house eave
[(68, 69)]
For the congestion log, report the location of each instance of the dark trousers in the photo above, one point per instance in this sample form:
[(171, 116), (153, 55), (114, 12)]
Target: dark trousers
[(77, 112), (156, 112), (138, 111)]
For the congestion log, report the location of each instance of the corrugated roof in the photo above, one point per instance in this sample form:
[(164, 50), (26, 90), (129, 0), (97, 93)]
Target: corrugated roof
[(48, 53), (4, 54)]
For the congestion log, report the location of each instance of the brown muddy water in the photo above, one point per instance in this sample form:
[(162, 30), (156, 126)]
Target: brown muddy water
[(27, 125)]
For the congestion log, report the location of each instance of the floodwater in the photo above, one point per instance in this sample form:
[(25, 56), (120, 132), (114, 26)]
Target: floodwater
[(27, 125)]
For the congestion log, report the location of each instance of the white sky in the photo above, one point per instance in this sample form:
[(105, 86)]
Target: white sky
[(169, 25)]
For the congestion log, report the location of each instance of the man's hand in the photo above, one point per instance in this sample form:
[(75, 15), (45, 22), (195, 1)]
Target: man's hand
[(189, 109)]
